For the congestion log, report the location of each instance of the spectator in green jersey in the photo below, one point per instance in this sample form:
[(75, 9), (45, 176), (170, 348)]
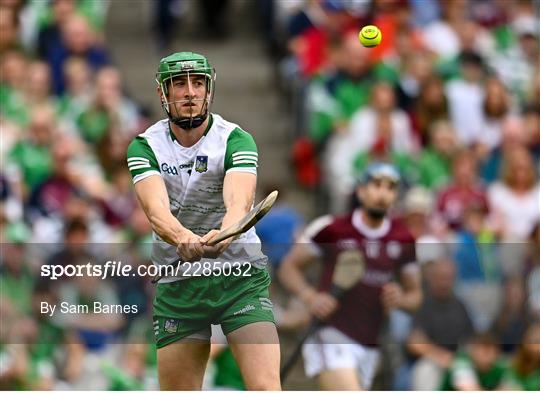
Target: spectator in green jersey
[(435, 162), (480, 367), (32, 155), (525, 370)]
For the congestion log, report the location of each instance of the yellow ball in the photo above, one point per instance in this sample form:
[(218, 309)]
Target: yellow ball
[(370, 36)]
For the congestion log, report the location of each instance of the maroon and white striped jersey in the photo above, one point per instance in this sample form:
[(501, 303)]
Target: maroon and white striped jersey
[(386, 251)]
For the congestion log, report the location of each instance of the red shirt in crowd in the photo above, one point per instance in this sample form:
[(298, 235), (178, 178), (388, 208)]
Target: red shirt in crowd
[(453, 200)]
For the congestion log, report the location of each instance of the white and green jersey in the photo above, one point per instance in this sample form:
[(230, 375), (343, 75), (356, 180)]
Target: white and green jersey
[(194, 178)]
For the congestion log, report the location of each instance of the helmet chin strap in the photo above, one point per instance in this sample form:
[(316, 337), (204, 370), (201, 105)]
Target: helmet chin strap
[(188, 123)]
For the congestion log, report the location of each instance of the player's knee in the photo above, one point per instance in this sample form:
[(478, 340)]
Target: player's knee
[(184, 383), (174, 378), (263, 381)]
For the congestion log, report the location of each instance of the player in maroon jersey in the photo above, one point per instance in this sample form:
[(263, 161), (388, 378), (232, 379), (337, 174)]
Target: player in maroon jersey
[(344, 354)]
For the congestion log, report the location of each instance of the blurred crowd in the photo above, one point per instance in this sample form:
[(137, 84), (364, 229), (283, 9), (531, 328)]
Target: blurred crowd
[(66, 121), (451, 97)]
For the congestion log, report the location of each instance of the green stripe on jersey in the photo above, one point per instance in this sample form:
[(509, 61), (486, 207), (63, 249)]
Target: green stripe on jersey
[(241, 150), (141, 157)]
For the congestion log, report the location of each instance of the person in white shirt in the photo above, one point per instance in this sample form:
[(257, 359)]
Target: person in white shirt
[(381, 123), (496, 109), (378, 126), (515, 199), (466, 97)]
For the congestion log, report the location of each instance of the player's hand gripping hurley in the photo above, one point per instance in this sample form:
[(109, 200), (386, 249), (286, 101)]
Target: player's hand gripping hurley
[(347, 273), (242, 226)]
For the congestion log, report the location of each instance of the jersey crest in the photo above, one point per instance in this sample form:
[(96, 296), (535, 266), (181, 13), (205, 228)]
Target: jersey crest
[(171, 325), (201, 164)]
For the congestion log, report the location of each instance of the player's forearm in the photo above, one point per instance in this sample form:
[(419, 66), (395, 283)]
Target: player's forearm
[(154, 200), (411, 296), (238, 194), (167, 227), (293, 280), (234, 214)]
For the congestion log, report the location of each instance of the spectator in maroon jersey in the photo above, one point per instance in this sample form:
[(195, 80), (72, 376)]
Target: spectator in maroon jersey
[(465, 190), (349, 337), (119, 203), (50, 197)]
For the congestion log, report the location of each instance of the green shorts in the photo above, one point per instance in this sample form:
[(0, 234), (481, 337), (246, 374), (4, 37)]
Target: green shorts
[(188, 308)]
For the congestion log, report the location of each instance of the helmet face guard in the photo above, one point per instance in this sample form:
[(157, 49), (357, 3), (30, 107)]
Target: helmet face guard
[(186, 64)]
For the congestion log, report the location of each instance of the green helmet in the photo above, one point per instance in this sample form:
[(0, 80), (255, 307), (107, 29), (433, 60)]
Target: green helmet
[(186, 63)]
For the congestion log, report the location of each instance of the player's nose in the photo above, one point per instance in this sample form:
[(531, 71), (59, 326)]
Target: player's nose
[(190, 90)]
